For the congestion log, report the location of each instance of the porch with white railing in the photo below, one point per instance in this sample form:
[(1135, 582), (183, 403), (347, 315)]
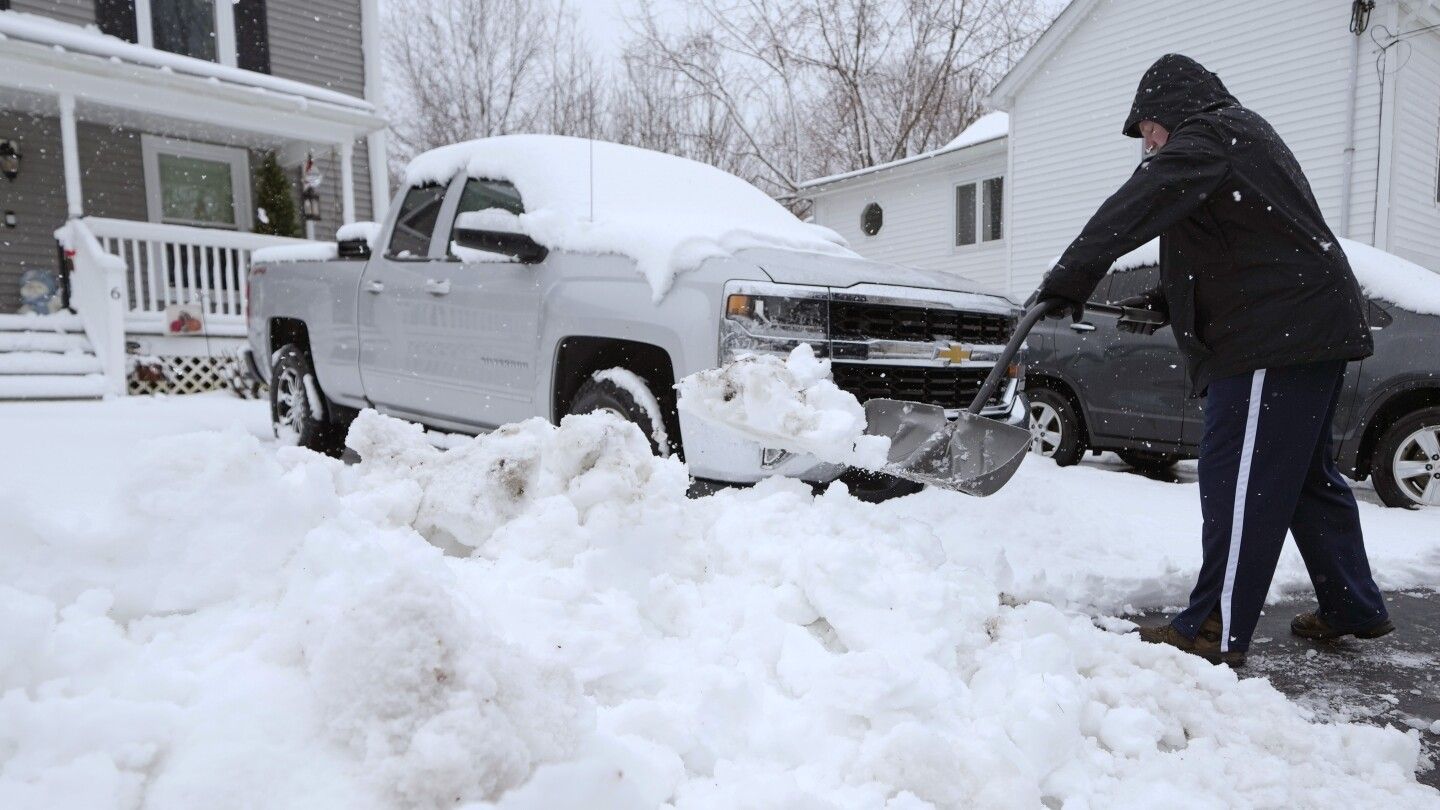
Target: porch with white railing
[(174, 264), (125, 275)]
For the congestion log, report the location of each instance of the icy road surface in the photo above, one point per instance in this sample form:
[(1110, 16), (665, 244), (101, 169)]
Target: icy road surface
[(190, 616)]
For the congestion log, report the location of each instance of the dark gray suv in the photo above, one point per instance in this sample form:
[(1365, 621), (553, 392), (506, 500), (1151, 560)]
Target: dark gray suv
[(1094, 387)]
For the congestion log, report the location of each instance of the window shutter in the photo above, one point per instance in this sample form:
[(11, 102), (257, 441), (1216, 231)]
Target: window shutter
[(116, 18), (252, 36)]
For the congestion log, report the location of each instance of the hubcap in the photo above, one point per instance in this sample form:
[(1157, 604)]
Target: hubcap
[(1416, 466), (1045, 429), (287, 400)]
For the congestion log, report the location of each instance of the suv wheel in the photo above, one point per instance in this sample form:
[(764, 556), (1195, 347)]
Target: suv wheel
[(1148, 460), (1054, 427), (1407, 461), (598, 394), (293, 416)]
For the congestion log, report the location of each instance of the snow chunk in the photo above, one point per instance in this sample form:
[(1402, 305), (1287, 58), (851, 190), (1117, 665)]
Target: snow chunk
[(667, 213), (791, 404), (368, 231), (306, 252)]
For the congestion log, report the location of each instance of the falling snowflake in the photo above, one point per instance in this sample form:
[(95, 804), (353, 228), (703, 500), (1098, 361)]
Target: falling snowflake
[(1237, 196)]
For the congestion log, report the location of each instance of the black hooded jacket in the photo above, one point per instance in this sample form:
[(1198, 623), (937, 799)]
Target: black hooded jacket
[(1250, 273)]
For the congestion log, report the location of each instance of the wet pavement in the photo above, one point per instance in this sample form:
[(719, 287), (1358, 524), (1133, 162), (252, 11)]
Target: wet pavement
[(1392, 681)]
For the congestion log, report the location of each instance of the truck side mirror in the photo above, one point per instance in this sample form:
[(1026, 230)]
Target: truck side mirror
[(524, 249), (353, 248)]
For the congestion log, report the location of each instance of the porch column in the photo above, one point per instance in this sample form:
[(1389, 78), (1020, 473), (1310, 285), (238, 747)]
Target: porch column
[(347, 182), (70, 156), (375, 142)]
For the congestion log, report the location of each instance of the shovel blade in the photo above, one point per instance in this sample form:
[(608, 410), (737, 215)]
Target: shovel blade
[(971, 454)]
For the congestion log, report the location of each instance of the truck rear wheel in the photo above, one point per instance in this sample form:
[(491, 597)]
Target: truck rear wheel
[(633, 402), (298, 409), (1407, 461)]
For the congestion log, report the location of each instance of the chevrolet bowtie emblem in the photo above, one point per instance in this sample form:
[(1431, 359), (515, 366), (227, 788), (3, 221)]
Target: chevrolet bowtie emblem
[(954, 353)]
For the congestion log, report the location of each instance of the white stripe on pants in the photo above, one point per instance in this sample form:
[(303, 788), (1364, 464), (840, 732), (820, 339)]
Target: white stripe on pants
[(1237, 520)]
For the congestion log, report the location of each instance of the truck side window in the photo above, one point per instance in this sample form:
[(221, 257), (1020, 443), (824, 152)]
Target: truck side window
[(1132, 282), (480, 194), (415, 223)]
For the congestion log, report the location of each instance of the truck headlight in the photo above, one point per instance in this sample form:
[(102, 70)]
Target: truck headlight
[(775, 324)]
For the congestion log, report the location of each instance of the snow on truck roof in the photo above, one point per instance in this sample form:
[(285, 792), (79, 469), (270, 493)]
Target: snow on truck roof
[(667, 213), (1381, 275)]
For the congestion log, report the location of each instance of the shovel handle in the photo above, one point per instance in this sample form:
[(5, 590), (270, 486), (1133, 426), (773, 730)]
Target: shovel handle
[(1027, 322)]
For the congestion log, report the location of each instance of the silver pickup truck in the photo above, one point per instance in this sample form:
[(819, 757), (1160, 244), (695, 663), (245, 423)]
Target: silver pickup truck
[(449, 314)]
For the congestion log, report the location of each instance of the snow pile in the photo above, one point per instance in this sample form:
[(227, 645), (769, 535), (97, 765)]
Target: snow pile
[(300, 252), (606, 643), (1381, 275), (790, 404), (667, 213), (987, 127)]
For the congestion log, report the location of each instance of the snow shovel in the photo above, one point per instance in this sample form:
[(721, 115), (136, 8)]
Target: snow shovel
[(970, 454)]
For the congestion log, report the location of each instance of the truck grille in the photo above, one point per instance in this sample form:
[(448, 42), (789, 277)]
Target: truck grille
[(946, 387), (854, 320)]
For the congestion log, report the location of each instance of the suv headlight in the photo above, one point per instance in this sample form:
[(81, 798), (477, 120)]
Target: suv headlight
[(760, 320)]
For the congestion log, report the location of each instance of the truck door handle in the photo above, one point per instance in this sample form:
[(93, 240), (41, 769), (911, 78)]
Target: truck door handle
[(437, 286), (375, 286), (1082, 326)]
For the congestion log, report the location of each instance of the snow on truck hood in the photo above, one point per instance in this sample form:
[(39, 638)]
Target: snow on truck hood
[(668, 213), (1381, 275)]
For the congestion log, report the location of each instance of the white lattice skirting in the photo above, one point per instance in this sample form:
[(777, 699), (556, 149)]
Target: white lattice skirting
[(185, 375)]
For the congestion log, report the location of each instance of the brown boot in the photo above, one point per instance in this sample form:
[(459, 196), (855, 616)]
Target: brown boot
[(1206, 643), (1311, 626)]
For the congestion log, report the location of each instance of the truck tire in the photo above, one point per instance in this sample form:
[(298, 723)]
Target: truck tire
[(597, 394), (1055, 427), (293, 405), (1407, 461)]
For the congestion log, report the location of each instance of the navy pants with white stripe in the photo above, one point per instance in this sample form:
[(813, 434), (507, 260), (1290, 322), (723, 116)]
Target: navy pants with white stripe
[(1267, 466)]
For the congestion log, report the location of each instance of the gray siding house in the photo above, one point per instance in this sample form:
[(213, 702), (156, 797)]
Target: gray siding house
[(131, 132)]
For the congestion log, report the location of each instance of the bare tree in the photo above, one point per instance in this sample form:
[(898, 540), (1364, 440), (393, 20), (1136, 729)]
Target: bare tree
[(466, 69), (818, 86)]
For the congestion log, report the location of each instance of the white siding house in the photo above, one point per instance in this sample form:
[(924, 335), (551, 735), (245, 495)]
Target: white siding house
[(1294, 61), (942, 210)]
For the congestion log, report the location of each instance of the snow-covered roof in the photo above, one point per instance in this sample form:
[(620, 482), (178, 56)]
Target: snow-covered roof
[(666, 212), (1381, 275), (986, 128), (88, 40)]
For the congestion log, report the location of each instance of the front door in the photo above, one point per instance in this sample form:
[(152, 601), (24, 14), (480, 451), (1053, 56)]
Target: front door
[(1134, 385), (404, 358), (494, 306)]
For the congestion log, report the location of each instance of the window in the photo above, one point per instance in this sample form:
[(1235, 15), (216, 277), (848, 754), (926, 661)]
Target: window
[(203, 29), (1127, 283), (415, 223), (196, 183), (965, 215), (872, 219), (480, 194), (980, 212), (994, 202)]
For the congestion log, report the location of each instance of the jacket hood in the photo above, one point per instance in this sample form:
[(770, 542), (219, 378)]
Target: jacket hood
[(1175, 88)]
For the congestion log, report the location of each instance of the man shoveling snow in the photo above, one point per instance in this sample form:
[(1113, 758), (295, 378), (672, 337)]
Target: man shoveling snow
[(1266, 313)]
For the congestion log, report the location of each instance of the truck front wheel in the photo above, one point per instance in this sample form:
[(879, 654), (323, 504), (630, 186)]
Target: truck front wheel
[(626, 395), (298, 409)]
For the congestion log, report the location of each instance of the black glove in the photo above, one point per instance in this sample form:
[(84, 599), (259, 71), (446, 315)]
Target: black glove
[(1152, 301), (1064, 307)]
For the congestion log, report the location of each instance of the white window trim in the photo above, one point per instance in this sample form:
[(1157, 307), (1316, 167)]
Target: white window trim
[(225, 51), (152, 146), (980, 242)]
